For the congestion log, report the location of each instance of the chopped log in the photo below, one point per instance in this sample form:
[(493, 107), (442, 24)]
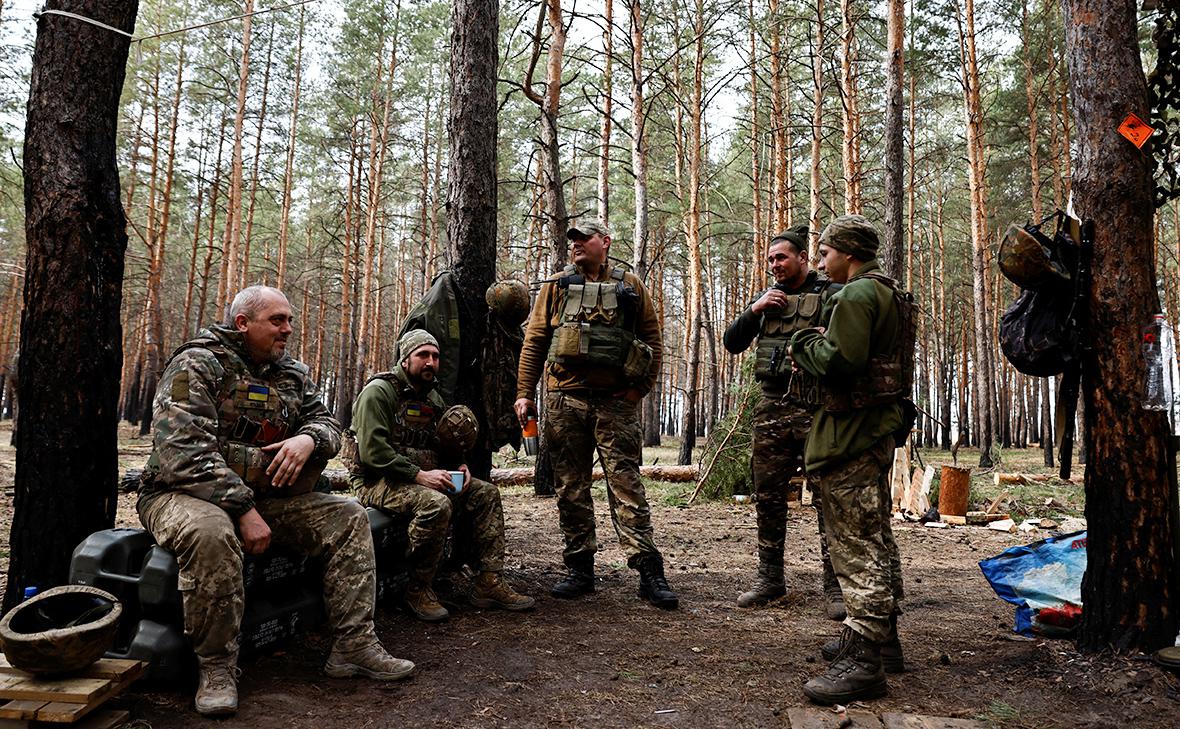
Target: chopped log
[(1025, 478), (982, 518), (956, 520), (995, 503)]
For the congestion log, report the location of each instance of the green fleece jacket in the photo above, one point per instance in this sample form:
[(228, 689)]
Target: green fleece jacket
[(388, 407), (861, 321)]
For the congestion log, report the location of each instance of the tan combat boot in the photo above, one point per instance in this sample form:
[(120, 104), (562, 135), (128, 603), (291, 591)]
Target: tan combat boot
[(491, 590), (423, 603), (371, 662), (217, 686)]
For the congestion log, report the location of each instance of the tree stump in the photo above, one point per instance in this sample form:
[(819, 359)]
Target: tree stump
[(953, 490)]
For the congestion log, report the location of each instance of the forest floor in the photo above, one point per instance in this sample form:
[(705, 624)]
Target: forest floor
[(610, 660)]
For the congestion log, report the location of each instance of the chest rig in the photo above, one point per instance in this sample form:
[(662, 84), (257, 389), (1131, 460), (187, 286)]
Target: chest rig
[(772, 361), (415, 423), (254, 412), (596, 328)]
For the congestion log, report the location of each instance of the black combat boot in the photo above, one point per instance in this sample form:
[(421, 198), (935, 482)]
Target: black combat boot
[(855, 675), (833, 597), (578, 581), (770, 584), (892, 659), (653, 586)]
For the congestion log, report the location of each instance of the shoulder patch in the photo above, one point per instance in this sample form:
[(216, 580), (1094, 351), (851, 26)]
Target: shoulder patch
[(180, 387)]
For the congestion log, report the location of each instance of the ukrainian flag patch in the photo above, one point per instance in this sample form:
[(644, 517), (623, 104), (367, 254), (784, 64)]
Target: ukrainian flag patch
[(258, 392)]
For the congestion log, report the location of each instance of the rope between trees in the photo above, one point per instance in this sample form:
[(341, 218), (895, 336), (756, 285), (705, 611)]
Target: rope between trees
[(137, 39)]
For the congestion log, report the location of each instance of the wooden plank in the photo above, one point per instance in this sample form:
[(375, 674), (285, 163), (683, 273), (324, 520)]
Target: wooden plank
[(72, 690), (20, 709), (956, 520), (805, 717), (59, 711), (117, 669), (15, 724), (914, 721)]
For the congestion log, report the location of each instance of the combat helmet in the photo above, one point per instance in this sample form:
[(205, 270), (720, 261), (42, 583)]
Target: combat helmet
[(509, 299), (457, 430), (61, 630), (1028, 258)]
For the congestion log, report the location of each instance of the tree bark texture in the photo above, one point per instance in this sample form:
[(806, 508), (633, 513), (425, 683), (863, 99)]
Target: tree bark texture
[(1128, 588), (67, 466), (891, 255), (471, 192)]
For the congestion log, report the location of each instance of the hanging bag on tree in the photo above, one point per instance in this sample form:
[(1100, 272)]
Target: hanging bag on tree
[(1038, 331)]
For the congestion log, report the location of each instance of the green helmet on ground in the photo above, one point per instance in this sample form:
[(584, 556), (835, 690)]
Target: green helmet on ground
[(509, 299), (457, 430)]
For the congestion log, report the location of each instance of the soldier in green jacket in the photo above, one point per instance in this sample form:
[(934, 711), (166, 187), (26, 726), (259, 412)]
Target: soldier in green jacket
[(401, 469), (782, 416), (240, 437), (848, 454)]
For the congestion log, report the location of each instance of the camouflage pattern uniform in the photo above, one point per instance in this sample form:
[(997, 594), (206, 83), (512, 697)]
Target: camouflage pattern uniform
[(212, 413), (584, 406), (782, 415), (395, 427)]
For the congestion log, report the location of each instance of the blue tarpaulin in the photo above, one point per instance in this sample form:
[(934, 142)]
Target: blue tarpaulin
[(1044, 581)]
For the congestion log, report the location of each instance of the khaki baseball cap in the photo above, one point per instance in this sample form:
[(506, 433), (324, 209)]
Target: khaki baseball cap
[(587, 228)]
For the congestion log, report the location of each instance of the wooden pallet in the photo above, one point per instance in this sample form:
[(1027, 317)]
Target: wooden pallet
[(28, 701)]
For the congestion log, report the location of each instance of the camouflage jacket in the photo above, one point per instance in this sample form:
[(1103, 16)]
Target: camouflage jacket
[(395, 426), (211, 404)]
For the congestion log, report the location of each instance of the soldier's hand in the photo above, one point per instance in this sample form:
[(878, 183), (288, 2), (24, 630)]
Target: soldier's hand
[(524, 408), (466, 475), (772, 299), (289, 457), (254, 532), (438, 479)]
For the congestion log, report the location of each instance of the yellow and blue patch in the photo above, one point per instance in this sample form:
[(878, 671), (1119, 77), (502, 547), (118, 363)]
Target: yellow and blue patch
[(259, 393)]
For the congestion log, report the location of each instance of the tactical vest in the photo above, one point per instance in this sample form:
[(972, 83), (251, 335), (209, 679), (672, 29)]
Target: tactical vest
[(772, 361), (412, 432), (889, 377), (593, 330), (252, 412)]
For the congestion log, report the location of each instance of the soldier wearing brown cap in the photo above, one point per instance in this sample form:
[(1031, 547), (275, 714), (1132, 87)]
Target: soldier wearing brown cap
[(782, 415), (858, 358), (594, 333)]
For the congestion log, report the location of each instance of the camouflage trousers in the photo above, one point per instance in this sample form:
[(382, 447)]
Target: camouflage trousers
[(857, 506), (780, 429), (328, 527), (477, 513), (577, 426)]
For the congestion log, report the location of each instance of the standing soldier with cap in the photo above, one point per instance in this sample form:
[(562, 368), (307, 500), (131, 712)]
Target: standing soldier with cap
[(782, 416), (594, 333), (406, 437), (241, 435), (861, 360)]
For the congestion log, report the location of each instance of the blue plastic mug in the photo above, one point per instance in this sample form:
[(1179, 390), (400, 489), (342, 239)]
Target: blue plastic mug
[(457, 479)]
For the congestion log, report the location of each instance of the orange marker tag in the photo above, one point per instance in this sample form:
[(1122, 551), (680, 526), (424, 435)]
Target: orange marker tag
[(1136, 130)]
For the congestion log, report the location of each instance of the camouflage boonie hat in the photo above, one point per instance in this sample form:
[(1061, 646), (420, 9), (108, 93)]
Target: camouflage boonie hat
[(587, 228), (509, 299), (412, 340), (457, 430), (852, 234)]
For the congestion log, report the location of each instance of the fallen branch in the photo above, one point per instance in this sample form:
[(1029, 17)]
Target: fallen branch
[(721, 448)]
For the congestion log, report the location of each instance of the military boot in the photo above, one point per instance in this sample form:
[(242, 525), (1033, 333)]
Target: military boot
[(653, 586), (491, 590), (892, 659), (577, 582), (769, 585), (372, 662), (833, 597), (854, 675), (423, 603), (217, 685)]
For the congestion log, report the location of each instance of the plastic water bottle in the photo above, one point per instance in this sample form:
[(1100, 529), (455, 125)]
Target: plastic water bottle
[(29, 592), (1157, 337)]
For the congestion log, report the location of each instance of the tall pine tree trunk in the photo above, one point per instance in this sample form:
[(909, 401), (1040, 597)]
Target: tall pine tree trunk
[(75, 230)]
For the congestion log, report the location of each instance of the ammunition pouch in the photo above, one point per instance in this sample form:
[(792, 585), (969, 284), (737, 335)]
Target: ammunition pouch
[(597, 345), (638, 362)]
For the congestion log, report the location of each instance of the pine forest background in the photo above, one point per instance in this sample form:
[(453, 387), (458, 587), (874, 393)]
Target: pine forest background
[(305, 148)]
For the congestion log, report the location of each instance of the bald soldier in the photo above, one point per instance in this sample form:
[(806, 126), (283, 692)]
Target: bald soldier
[(240, 436)]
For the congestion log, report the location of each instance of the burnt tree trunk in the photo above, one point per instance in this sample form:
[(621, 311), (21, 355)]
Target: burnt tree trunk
[(67, 467), (471, 194), (1127, 589)]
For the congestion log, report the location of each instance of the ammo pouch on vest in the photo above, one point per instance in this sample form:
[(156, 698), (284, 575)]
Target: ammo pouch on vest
[(251, 463), (593, 331), (772, 360)]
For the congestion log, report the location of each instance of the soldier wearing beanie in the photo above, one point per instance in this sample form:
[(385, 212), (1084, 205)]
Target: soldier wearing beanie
[(403, 468), (848, 454), (782, 416)]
